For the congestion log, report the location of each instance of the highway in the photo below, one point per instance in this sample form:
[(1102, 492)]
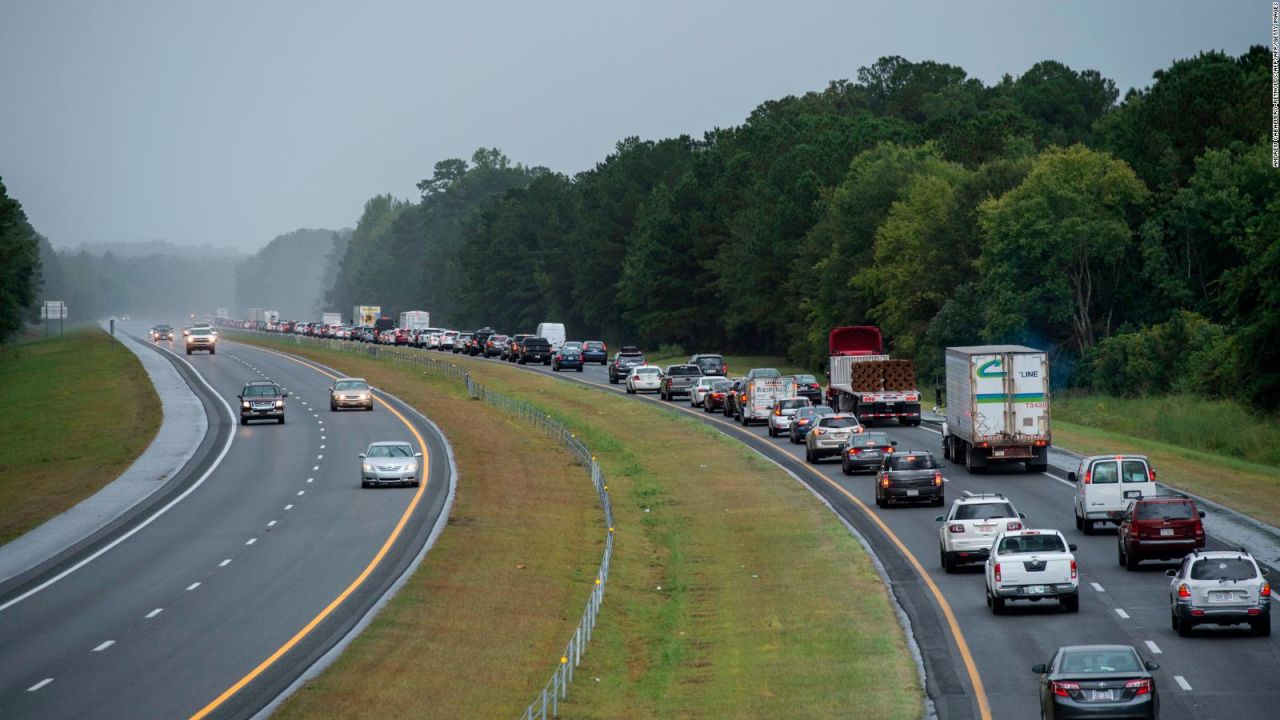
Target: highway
[(213, 606), (1218, 673)]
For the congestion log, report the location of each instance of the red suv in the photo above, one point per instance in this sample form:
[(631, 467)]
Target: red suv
[(1159, 529)]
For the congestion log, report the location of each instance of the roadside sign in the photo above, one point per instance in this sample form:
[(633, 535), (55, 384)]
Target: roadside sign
[(53, 310)]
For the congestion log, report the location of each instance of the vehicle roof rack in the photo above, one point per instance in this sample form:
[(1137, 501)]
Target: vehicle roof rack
[(975, 496)]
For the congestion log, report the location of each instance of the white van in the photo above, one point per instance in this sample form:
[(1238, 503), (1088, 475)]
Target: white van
[(553, 332), (1106, 484)]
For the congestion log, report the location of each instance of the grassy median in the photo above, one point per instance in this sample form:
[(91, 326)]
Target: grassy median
[(734, 592), (78, 410)]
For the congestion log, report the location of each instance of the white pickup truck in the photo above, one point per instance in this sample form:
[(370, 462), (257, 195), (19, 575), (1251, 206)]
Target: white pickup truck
[(1032, 565)]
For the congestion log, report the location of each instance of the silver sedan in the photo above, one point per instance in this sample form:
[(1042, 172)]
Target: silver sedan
[(645, 378), (389, 463)]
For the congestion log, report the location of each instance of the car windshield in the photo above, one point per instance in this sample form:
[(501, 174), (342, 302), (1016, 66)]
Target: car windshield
[(260, 391), (390, 451), (823, 410), (838, 422), (874, 439), (163, 328), (1099, 661), (646, 371), (351, 385), (572, 345), (912, 462), (1223, 569), (793, 404), (593, 345), (1164, 511), (806, 379), (1032, 544), (765, 373), (984, 511), (201, 331)]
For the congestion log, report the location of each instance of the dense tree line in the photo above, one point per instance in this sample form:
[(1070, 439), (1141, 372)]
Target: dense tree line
[(1042, 209), (19, 266), (290, 273)]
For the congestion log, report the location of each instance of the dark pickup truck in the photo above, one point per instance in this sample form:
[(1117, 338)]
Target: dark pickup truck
[(534, 349), (678, 380)]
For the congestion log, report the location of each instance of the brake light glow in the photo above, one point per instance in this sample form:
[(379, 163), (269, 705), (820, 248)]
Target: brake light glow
[(802, 422), (1088, 478), (1064, 689), (1265, 590), (854, 451), (819, 431), (778, 412), (1140, 687), (955, 528), (1015, 525), (937, 478), (1184, 591), (996, 571), (1073, 569), (1151, 473)]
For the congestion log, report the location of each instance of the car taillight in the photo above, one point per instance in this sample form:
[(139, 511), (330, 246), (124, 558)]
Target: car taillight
[(1139, 687), (955, 528), (1265, 590), (1014, 526), (819, 431), (937, 478), (802, 422), (1088, 478), (778, 411), (1064, 689), (1073, 569), (996, 572), (854, 451), (1184, 591), (559, 357), (1151, 473), (884, 481)]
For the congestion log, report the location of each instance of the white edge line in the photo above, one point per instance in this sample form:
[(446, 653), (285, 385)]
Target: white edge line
[(109, 546), (1182, 682)]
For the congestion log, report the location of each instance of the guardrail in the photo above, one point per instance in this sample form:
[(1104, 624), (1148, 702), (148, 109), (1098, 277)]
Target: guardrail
[(547, 702)]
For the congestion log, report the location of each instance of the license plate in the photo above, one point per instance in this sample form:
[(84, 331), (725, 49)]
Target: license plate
[(1036, 589), (1221, 596), (1132, 494), (1166, 532), (997, 452), (1102, 695), (913, 493)]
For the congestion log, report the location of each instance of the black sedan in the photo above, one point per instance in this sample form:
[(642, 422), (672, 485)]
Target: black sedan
[(1094, 681), (865, 451), (567, 359), (595, 351), (807, 387), (912, 476)]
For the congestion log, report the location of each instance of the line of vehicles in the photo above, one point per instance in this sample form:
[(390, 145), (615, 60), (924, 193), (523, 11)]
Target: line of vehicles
[(998, 412)]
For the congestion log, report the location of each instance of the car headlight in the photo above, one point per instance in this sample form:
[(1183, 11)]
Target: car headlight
[(411, 466), (246, 404), (368, 467), (279, 403)]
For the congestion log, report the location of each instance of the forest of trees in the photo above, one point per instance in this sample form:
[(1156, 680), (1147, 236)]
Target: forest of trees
[(290, 273), (1135, 238)]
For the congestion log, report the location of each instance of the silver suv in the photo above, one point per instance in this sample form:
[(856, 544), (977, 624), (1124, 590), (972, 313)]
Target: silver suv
[(1219, 587), (967, 532)]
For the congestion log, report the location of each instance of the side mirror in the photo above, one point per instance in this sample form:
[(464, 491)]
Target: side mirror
[(417, 454), (239, 397), (1152, 666), (1171, 573), (1072, 548), (1040, 669), (285, 394), (1201, 513), (893, 443), (1022, 515), (940, 518), (1071, 477), (361, 454)]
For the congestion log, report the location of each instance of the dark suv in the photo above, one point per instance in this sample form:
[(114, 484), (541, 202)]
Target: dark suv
[(479, 338), (1159, 528), (262, 400), (534, 349), (511, 350), (626, 358), (710, 364)]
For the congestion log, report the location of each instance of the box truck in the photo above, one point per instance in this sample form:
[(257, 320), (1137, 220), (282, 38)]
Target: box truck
[(366, 315), (331, 318), (415, 320), (759, 395), (997, 407), (866, 382)]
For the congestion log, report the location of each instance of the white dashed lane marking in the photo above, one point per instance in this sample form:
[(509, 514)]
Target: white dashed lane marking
[(1097, 587), (311, 479), (288, 507), (155, 612), (225, 563), (104, 646), (251, 541), (301, 493), (193, 586), (1182, 682), (40, 684), (271, 524), (317, 467), (1155, 649), (1122, 613)]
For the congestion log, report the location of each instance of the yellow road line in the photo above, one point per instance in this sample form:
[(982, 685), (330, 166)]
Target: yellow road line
[(971, 667), (355, 584)]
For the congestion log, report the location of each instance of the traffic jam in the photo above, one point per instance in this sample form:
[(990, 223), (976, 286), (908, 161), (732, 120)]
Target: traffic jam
[(997, 415)]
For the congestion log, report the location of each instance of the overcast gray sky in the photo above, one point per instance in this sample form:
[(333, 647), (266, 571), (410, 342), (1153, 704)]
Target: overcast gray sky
[(230, 122)]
